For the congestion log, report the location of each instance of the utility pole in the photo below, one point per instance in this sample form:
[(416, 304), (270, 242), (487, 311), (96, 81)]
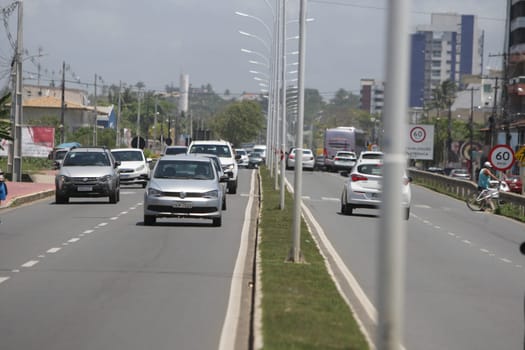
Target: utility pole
[(96, 115), (117, 126), (471, 133), (17, 142), (138, 119), (63, 104)]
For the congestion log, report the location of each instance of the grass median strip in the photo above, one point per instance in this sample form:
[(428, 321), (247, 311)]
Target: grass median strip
[(302, 308)]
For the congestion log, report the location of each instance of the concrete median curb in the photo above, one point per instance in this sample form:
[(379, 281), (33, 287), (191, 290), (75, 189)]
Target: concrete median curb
[(29, 198)]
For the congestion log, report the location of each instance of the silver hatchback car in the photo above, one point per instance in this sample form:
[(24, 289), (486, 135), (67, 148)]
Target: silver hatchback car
[(184, 186)]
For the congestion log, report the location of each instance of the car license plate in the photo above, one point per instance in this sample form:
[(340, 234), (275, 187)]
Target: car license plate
[(184, 205), (85, 188)]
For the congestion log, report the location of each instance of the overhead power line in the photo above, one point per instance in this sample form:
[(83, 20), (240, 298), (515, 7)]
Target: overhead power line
[(383, 8)]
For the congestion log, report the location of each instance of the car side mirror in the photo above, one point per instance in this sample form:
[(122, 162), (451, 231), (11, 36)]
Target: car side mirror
[(117, 164), (237, 157), (57, 165), (224, 178), (522, 248)]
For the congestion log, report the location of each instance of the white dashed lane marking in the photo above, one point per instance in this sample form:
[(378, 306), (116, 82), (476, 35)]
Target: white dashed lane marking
[(54, 250), (467, 242), (30, 263)]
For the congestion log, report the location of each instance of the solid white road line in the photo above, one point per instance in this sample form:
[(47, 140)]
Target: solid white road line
[(229, 327)]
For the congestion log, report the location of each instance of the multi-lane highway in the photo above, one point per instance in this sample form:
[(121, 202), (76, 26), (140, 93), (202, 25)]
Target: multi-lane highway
[(90, 275), (465, 277)]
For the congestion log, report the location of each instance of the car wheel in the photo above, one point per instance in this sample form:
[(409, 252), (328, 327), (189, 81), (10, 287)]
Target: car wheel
[(149, 220), (232, 187), (217, 222), (223, 203), (113, 197), (407, 213), (59, 199)]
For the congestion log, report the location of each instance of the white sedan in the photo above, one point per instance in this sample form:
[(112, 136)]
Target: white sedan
[(308, 160), (363, 188)]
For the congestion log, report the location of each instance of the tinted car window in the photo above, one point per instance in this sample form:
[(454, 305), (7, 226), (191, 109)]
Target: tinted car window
[(371, 169), (128, 156), (175, 150), (86, 159)]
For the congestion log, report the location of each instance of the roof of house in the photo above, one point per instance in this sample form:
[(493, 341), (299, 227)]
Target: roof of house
[(51, 102)]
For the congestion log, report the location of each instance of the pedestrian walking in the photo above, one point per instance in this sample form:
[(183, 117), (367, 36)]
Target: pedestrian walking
[(3, 189)]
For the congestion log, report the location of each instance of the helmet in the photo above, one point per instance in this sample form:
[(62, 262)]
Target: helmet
[(487, 165)]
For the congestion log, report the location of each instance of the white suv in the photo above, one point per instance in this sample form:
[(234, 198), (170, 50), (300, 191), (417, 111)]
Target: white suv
[(224, 151)]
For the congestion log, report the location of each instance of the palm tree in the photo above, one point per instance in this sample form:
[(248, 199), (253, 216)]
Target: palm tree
[(5, 122)]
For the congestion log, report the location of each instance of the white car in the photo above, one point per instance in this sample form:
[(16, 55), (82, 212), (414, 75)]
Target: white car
[(134, 167), (344, 160), (370, 155), (308, 160), (244, 159), (363, 189), (224, 151)]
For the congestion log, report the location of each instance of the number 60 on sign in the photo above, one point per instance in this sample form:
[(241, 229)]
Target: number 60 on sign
[(501, 157)]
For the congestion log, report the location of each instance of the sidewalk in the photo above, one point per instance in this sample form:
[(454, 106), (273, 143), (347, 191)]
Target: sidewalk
[(43, 185)]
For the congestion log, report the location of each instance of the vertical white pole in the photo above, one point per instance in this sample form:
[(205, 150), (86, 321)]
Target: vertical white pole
[(392, 234), (295, 254)]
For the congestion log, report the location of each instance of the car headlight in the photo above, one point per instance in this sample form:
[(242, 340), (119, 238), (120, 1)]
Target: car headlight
[(154, 192), (140, 168), (211, 194), (105, 178), (64, 178)]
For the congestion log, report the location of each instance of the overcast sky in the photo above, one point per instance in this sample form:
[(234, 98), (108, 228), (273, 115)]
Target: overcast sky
[(154, 41)]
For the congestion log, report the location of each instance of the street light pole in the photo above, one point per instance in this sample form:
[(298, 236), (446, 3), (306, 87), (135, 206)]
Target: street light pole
[(295, 252)]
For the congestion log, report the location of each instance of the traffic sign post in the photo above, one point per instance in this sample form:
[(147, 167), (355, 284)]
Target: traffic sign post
[(502, 157)]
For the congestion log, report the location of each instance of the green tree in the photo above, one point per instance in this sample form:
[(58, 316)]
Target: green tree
[(5, 113), (240, 122)]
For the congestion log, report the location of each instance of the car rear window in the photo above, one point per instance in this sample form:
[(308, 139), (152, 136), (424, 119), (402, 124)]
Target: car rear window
[(371, 169), (175, 150)]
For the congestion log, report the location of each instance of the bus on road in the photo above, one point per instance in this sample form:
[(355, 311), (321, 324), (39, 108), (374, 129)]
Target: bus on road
[(342, 138)]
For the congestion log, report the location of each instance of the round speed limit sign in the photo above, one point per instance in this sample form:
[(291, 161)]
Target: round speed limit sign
[(501, 157)]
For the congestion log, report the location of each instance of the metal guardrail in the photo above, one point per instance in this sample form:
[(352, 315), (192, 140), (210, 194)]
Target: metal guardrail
[(462, 189)]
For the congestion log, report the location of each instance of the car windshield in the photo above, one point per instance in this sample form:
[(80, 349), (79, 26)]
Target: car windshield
[(59, 155), (218, 150), (371, 169), (86, 159), (240, 152), (128, 156), (177, 169)]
